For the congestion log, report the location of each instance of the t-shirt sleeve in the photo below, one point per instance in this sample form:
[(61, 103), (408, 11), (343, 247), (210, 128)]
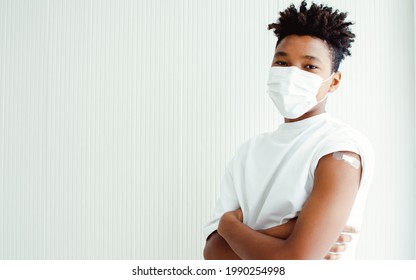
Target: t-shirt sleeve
[(227, 201), (351, 142)]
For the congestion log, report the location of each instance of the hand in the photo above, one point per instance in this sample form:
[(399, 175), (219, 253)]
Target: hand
[(341, 244)]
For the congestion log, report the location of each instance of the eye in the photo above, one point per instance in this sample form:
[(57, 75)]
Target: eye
[(311, 67), (281, 63)]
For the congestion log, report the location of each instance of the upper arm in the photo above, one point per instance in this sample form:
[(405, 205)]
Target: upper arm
[(326, 211)]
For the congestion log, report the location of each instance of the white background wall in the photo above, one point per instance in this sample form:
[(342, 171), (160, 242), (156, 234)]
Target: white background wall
[(117, 119)]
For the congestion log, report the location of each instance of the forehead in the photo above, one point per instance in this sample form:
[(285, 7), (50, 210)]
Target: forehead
[(300, 46)]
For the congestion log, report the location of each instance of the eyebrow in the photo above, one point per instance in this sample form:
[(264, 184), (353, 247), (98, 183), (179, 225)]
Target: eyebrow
[(281, 54), (308, 57)]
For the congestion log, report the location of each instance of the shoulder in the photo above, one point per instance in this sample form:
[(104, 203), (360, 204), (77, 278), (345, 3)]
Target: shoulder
[(340, 136), (254, 142)]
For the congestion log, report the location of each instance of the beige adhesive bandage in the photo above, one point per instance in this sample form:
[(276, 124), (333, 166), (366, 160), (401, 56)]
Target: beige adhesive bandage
[(348, 159)]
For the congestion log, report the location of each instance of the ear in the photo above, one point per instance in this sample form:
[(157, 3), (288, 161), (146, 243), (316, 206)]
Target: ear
[(336, 80)]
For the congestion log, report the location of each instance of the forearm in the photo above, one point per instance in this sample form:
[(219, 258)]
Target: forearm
[(250, 244), (216, 248)]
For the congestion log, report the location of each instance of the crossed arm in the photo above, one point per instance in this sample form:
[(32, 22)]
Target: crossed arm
[(310, 236)]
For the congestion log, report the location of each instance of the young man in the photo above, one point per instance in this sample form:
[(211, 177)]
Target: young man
[(288, 194)]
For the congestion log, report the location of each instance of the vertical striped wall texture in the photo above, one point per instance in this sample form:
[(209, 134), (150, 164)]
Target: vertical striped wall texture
[(117, 119), (414, 87)]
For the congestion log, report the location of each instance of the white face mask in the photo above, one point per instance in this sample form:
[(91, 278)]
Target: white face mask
[(293, 90)]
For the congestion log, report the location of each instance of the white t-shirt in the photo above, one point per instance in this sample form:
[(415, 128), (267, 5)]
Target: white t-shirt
[(271, 175)]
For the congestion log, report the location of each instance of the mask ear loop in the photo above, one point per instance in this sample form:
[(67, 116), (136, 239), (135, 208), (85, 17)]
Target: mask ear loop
[(326, 96), (327, 79)]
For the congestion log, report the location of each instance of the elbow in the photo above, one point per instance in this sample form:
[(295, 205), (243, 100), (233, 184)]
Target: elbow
[(210, 252), (216, 248), (207, 252)]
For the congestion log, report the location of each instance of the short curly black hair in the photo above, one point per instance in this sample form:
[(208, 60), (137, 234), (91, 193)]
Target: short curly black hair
[(318, 21)]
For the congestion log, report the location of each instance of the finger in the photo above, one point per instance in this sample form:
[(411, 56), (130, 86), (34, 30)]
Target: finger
[(332, 257), (338, 248), (344, 238), (350, 229)]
